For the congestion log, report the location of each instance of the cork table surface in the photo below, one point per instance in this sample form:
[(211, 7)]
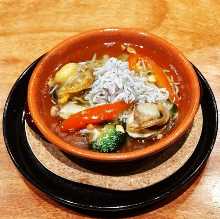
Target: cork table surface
[(29, 28)]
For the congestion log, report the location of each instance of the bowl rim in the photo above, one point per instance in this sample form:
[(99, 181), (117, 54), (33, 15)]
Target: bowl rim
[(113, 157)]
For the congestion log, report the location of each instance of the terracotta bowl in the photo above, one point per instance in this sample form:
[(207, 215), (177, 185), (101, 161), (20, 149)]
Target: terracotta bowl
[(108, 41)]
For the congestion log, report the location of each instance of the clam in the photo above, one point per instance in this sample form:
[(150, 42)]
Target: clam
[(143, 119)]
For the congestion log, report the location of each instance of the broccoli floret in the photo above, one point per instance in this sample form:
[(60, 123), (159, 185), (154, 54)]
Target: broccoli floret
[(110, 139)]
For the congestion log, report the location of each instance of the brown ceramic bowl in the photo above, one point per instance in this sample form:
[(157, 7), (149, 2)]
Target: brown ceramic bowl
[(107, 41)]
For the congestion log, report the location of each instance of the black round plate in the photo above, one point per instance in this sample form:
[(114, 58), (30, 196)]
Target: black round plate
[(91, 199)]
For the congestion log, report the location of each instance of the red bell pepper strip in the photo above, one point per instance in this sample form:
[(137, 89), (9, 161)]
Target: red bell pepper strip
[(94, 115), (132, 60), (161, 78)]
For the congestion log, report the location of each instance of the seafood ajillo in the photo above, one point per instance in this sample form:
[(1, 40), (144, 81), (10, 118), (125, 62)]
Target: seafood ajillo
[(113, 104)]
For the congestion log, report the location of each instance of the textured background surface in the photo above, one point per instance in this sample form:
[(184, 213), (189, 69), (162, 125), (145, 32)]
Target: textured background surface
[(28, 28)]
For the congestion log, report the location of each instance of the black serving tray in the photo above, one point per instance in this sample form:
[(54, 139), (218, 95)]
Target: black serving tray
[(91, 199)]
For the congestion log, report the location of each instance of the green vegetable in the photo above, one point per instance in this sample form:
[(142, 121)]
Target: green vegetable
[(174, 109), (110, 138)]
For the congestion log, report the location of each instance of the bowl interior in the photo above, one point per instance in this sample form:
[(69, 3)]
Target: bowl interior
[(108, 41)]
